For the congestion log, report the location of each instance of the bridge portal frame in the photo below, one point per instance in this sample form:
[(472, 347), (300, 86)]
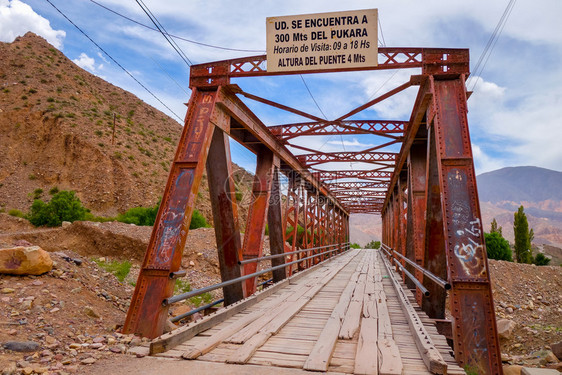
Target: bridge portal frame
[(430, 213)]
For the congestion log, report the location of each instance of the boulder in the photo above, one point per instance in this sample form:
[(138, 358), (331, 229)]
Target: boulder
[(557, 349), (25, 260), (505, 328), (21, 346), (512, 370)]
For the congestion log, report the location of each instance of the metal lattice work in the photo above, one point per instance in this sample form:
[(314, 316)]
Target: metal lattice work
[(425, 193)]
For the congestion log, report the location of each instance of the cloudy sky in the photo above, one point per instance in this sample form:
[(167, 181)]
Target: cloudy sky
[(514, 114)]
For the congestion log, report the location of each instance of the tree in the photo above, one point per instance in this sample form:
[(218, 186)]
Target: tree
[(494, 227), (541, 260), (497, 247), (522, 237)]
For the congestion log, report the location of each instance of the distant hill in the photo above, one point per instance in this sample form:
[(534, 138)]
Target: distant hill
[(520, 184), (539, 190)]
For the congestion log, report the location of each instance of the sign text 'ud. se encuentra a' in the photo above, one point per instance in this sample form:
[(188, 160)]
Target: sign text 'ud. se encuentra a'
[(322, 41)]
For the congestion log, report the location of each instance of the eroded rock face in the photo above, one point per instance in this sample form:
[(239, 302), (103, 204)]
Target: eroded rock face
[(25, 260)]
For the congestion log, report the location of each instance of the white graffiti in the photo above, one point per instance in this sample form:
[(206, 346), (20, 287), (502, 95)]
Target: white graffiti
[(467, 251)]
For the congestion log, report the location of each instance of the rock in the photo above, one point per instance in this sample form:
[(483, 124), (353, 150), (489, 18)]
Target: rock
[(98, 339), (180, 309), (538, 371), (118, 348), (191, 263), (13, 332), (37, 283), (66, 224), (91, 312), (512, 370), (30, 260), (557, 349), (22, 364), (88, 361), (76, 290), (7, 290), (21, 346), (505, 328), (551, 358), (27, 371), (169, 327), (509, 310)]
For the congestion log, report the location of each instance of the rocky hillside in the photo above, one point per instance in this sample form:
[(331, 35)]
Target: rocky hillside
[(56, 122)]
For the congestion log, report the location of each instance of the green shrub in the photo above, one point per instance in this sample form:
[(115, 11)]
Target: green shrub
[(373, 245), (119, 269), (54, 190), (541, 260), (497, 247), (355, 246), (139, 215), (198, 220), (17, 213), (63, 206)]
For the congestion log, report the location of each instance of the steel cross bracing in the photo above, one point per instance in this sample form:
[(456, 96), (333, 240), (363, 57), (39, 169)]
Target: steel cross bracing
[(426, 194)]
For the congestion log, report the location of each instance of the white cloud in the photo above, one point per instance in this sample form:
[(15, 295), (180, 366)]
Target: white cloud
[(352, 143), (17, 18), (86, 62)]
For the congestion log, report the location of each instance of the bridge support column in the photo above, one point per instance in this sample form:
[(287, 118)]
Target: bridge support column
[(146, 315), (225, 214), (275, 225), (415, 232), (451, 172), (257, 213)]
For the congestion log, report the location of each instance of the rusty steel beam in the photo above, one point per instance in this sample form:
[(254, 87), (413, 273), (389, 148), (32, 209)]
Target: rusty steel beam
[(384, 128), (257, 213), (381, 176), (356, 185), (225, 214), (250, 125), (476, 341), (415, 231), (378, 158), (146, 315), (275, 226)]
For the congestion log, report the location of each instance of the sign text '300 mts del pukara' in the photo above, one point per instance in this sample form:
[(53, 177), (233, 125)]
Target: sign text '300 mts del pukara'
[(322, 41)]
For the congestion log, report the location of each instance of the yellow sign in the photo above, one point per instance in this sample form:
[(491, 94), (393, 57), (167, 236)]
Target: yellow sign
[(322, 41)]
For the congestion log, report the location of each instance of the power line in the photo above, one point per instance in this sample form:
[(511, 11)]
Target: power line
[(483, 59), (163, 31), (383, 43), (174, 36), (115, 61), (312, 96)]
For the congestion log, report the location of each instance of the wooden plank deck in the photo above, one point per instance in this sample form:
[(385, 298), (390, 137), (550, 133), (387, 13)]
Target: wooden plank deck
[(284, 327)]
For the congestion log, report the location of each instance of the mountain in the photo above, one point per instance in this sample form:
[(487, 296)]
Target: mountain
[(525, 184), (539, 190), (501, 192)]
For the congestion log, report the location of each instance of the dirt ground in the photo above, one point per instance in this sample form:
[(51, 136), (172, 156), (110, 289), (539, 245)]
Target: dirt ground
[(74, 312)]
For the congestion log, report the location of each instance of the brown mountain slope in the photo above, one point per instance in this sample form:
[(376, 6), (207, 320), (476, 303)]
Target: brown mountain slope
[(56, 123)]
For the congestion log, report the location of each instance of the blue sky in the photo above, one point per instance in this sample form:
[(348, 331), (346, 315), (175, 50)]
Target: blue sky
[(514, 114)]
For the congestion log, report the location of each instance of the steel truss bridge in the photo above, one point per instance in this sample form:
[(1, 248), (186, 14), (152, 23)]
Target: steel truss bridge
[(426, 194)]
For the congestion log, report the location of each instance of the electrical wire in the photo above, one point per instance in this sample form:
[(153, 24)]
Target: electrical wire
[(383, 43), (163, 31), (175, 36), (312, 96), (483, 59), (115, 61)]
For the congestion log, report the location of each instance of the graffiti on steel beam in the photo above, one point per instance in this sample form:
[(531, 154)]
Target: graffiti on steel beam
[(173, 223)]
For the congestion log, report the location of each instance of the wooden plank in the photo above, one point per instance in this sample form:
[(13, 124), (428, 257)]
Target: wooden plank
[(350, 323), (430, 355), (177, 336), (366, 357), (319, 358), (291, 308)]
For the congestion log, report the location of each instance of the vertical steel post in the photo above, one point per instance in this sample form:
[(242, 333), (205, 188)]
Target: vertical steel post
[(416, 208), (225, 215), (275, 225), (146, 315), (474, 327), (255, 223)]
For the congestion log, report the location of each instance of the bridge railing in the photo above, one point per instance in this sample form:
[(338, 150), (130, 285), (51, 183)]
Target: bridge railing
[(338, 247), (395, 257)]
